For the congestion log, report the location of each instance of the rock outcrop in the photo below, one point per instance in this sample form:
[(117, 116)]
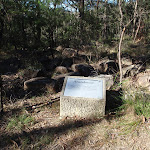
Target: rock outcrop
[(83, 69), (52, 85), (37, 83), (61, 70), (143, 79)]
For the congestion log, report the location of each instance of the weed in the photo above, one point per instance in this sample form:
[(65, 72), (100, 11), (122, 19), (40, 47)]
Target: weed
[(20, 122), (46, 139), (43, 140), (129, 127), (25, 141), (138, 101), (142, 105)]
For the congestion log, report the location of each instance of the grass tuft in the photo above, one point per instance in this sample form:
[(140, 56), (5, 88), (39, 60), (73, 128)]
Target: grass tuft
[(129, 127), (138, 101), (20, 122)]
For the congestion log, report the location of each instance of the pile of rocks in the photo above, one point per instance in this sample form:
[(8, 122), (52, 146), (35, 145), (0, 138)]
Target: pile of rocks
[(67, 67), (55, 82)]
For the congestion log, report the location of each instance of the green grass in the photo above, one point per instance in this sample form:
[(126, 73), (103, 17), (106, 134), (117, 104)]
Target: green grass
[(139, 101), (129, 127), (20, 122), (142, 105)]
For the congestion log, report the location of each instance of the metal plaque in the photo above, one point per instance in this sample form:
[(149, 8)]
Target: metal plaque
[(88, 88)]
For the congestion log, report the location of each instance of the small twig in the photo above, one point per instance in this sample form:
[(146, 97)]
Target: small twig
[(15, 143), (44, 104)]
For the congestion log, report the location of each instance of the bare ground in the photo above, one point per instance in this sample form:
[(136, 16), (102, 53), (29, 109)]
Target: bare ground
[(112, 132)]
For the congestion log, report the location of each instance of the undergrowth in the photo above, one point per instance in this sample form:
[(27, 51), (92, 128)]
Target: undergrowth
[(20, 122), (139, 101)]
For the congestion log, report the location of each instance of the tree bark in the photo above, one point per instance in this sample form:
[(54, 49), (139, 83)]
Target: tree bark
[(134, 20), (38, 26), (137, 30), (121, 16), (97, 7), (121, 37), (1, 31), (119, 55), (51, 41), (81, 16), (1, 97), (105, 17), (81, 9)]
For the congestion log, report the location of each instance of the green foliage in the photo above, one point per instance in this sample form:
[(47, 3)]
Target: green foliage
[(139, 101), (25, 141), (46, 139), (20, 122), (129, 127), (38, 24), (142, 105)]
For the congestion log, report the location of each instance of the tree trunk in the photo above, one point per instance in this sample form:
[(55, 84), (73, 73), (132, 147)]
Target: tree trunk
[(137, 30), (23, 35), (97, 7), (134, 20), (105, 17), (51, 41), (121, 17), (81, 17), (1, 98), (121, 37), (1, 31), (38, 26), (119, 55), (81, 9)]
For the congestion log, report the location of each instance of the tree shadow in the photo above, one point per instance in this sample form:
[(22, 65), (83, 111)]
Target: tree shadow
[(52, 131), (11, 64), (77, 141), (113, 100)]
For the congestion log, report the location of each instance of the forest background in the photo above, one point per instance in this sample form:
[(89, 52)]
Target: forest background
[(38, 25)]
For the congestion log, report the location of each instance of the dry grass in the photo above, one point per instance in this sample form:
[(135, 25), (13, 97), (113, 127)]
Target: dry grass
[(124, 130)]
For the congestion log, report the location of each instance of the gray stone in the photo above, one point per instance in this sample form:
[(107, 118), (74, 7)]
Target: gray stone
[(132, 70), (111, 67), (59, 48), (75, 106), (126, 61), (143, 79), (61, 70), (99, 68), (107, 66), (52, 85), (84, 69), (36, 83), (59, 79), (31, 73), (126, 70)]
